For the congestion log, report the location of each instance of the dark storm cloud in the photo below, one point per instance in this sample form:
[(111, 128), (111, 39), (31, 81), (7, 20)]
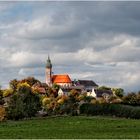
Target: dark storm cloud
[(76, 22)]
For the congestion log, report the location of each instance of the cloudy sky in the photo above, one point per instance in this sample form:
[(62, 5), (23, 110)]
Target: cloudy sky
[(92, 40)]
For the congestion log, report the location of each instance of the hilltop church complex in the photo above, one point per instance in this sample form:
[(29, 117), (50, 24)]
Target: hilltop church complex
[(66, 84), (60, 79)]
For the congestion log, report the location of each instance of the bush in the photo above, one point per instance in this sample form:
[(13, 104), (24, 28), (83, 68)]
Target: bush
[(23, 104), (2, 113), (132, 99), (117, 110)]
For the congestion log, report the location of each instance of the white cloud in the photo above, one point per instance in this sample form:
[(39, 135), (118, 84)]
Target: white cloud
[(46, 28), (25, 59), (88, 41)]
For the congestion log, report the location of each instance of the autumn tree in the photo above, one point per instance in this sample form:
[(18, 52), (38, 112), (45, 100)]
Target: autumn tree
[(23, 103), (30, 80), (7, 92)]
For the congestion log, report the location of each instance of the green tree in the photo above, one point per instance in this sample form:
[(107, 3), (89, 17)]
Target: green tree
[(104, 88), (88, 99), (118, 92), (23, 104), (13, 84), (56, 87), (1, 97), (130, 99)]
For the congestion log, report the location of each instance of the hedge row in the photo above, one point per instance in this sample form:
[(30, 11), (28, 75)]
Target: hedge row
[(117, 110)]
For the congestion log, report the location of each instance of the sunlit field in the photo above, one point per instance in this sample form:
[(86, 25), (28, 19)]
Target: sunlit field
[(78, 127)]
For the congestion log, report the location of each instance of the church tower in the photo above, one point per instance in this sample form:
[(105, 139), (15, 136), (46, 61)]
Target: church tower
[(49, 72)]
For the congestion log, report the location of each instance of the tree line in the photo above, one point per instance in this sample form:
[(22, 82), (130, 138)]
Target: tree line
[(23, 99)]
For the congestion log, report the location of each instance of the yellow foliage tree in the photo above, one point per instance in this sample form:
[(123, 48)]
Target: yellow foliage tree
[(7, 92), (22, 85), (46, 101)]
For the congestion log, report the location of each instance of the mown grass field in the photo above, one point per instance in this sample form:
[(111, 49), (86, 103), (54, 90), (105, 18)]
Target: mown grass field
[(80, 127)]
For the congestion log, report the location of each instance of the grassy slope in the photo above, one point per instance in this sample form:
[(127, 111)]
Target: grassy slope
[(71, 127)]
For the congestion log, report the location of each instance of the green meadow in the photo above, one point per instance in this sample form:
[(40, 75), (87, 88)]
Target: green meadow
[(79, 127)]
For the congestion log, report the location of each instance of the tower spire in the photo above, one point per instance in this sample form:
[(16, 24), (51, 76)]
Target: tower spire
[(49, 64), (48, 57)]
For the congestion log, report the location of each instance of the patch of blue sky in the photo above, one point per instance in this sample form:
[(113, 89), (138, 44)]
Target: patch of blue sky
[(19, 11)]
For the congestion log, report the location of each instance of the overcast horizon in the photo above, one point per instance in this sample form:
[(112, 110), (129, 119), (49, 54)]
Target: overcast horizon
[(98, 41)]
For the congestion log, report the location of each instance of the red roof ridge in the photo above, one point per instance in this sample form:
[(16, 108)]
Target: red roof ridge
[(61, 78), (61, 74)]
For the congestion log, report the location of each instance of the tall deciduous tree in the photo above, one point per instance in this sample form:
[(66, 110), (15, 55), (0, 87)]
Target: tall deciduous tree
[(23, 104)]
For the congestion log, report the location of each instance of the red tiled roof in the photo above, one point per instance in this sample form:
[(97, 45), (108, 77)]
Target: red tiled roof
[(63, 78)]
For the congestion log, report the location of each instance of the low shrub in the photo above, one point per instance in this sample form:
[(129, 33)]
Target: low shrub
[(117, 110)]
